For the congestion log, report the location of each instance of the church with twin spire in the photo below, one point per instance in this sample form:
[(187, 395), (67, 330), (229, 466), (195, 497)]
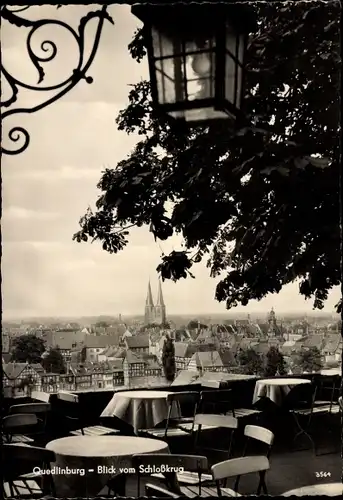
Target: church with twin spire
[(155, 313)]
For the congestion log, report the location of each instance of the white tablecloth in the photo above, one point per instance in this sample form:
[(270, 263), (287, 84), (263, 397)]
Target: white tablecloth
[(331, 372), (84, 454), (276, 388), (140, 409), (330, 490)]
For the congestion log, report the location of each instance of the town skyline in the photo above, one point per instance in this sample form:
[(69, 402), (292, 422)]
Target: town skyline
[(47, 189)]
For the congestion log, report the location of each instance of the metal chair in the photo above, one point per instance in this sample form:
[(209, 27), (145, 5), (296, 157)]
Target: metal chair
[(173, 426), (72, 404), (327, 389), (237, 467), (258, 434), (204, 422), (15, 427), (41, 410), (171, 467), (219, 401), (299, 402), (17, 482)]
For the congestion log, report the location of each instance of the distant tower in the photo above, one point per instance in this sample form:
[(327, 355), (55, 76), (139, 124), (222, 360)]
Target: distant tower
[(149, 316), (272, 330), (160, 308)]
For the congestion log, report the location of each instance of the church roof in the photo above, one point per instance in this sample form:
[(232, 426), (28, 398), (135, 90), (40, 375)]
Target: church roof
[(149, 301), (160, 301)]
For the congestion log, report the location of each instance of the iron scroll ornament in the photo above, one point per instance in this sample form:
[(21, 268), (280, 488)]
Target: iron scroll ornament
[(49, 51)]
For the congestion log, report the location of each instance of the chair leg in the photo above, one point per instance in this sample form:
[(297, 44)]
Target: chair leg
[(303, 431), (262, 484)]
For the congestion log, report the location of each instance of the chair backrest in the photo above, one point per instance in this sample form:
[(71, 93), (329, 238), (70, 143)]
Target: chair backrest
[(40, 396), (183, 397), (259, 433), (302, 395), (327, 388), (216, 420), (13, 423), (239, 466), (190, 398), (68, 397), (30, 408), (168, 465), (16, 452), (217, 399), (16, 460)]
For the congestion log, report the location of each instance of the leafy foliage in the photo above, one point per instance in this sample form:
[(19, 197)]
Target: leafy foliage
[(265, 193), (27, 348), (275, 363), (168, 359), (54, 362), (308, 360), (250, 361)]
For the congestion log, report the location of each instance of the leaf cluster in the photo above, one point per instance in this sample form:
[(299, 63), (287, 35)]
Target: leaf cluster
[(259, 204)]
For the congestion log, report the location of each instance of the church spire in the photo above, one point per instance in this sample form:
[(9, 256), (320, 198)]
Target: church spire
[(160, 301), (149, 302), (149, 315)]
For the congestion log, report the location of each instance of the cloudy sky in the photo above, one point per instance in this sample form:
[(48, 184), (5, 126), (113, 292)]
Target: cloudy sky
[(48, 187)]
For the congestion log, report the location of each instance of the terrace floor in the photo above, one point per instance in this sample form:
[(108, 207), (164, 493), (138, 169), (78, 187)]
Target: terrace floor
[(288, 469), (287, 472)]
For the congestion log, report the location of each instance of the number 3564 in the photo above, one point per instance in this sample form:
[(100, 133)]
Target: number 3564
[(323, 474)]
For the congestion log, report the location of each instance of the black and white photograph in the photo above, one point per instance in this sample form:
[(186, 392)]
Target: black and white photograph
[(171, 259)]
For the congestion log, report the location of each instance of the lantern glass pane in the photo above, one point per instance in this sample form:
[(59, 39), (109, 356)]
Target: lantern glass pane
[(170, 83), (162, 45), (233, 68), (200, 75)]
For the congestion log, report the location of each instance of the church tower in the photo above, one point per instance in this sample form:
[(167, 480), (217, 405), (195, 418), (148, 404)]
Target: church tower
[(149, 316), (160, 308), (272, 325)]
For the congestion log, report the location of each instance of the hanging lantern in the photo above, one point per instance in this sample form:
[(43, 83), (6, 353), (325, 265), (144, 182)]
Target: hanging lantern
[(196, 58)]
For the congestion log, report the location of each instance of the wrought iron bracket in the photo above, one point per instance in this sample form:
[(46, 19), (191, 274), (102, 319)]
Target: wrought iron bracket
[(18, 135)]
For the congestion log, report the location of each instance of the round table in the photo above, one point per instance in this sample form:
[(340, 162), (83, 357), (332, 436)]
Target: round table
[(328, 489), (331, 372), (141, 409), (84, 464), (276, 388)]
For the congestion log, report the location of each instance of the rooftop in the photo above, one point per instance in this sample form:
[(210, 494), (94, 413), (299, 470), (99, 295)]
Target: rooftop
[(137, 341)]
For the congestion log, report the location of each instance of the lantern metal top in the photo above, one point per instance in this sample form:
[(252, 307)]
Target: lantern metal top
[(191, 18)]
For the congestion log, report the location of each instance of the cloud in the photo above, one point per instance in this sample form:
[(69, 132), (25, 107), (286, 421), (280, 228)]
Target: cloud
[(26, 214)]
